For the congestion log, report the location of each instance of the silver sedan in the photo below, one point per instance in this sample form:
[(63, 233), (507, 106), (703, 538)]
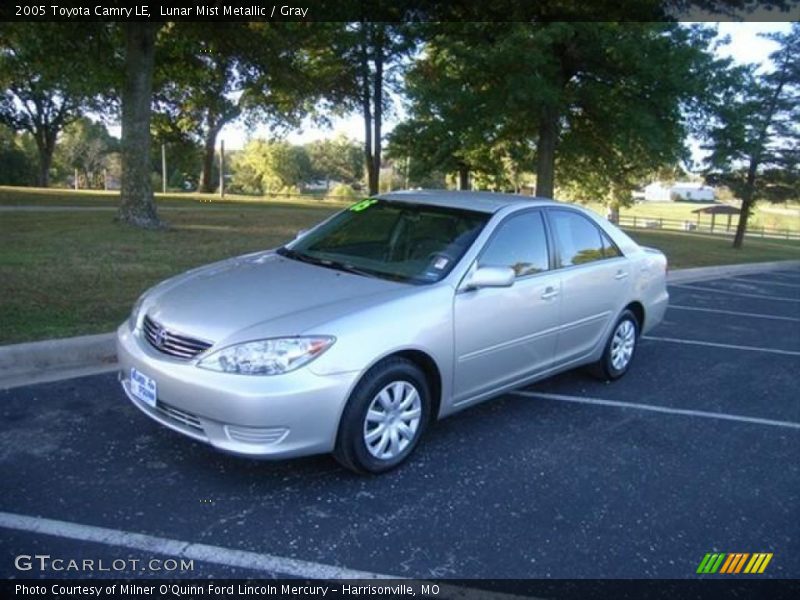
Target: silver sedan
[(393, 313)]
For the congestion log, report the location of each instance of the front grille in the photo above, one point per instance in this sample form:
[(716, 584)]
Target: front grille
[(172, 343), (180, 416)]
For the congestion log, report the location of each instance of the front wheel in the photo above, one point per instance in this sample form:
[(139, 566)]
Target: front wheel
[(385, 417), (620, 348)]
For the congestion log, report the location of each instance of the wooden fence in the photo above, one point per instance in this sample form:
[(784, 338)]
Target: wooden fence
[(720, 227)]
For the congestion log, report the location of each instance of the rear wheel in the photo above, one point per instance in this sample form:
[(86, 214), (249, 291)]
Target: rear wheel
[(620, 348), (385, 417)]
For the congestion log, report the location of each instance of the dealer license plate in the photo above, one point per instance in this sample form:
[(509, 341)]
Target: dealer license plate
[(143, 387)]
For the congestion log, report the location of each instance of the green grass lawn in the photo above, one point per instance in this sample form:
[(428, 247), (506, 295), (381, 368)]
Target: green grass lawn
[(686, 250), (22, 196), (67, 274), (73, 273)]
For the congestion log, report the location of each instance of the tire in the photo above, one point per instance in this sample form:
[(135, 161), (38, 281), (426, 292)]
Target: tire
[(620, 348), (377, 432)]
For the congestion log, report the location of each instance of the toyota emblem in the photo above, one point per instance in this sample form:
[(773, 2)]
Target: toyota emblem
[(161, 337)]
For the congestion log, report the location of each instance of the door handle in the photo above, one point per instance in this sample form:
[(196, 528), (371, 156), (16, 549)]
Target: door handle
[(621, 275), (549, 293)]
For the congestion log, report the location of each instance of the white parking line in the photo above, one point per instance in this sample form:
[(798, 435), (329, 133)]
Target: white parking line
[(229, 557), (182, 549), (762, 282), (659, 409), (718, 345), (716, 291), (733, 312)]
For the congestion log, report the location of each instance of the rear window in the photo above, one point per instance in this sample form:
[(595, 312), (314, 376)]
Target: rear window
[(578, 240)]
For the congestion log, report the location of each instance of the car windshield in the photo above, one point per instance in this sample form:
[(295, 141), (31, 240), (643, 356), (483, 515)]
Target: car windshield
[(414, 243)]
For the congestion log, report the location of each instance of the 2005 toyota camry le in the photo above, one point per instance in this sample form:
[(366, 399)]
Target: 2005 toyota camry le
[(397, 311)]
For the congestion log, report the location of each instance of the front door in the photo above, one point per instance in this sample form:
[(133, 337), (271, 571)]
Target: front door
[(503, 335)]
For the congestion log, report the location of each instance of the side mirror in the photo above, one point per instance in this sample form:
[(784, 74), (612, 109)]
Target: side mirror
[(490, 277)]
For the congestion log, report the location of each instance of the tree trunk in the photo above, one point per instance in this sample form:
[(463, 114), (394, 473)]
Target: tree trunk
[(377, 110), (366, 107), (747, 203), (45, 160), (45, 146), (137, 206), (206, 176), (546, 153), (463, 177)]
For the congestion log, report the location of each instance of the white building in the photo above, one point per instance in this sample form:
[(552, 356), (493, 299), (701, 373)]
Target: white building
[(680, 191)]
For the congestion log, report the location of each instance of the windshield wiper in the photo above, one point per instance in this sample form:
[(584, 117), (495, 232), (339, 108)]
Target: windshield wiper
[(289, 253), (324, 262), (350, 268)]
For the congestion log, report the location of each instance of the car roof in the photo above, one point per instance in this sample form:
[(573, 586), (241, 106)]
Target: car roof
[(489, 202)]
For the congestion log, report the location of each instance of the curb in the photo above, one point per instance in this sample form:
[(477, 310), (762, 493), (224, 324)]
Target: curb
[(700, 273), (53, 360)]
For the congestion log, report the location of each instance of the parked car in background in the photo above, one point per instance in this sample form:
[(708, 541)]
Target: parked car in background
[(397, 311)]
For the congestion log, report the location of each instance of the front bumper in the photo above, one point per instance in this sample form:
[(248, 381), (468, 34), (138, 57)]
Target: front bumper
[(279, 416)]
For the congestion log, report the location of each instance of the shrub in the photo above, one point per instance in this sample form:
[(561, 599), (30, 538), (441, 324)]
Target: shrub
[(342, 191)]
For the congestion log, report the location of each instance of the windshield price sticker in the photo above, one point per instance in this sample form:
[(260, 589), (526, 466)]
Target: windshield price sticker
[(363, 205)]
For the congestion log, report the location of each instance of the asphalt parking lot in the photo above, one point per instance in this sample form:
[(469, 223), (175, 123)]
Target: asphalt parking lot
[(694, 451)]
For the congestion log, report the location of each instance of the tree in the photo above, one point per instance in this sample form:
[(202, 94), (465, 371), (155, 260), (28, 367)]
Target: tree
[(184, 158), (50, 75), (433, 144), (371, 58), (601, 102), (207, 77), (85, 145), (137, 206), (268, 167), (15, 166), (338, 159), (196, 78), (755, 135)]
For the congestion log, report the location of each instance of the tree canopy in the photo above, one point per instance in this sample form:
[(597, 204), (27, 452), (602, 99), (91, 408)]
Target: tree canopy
[(50, 75), (207, 77), (592, 106)]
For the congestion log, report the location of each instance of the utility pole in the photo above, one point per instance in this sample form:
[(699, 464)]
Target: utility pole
[(76, 180), (222, 169), (164, 168)]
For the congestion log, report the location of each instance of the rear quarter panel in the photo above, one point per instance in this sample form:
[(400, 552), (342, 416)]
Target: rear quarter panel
[(650, 285)]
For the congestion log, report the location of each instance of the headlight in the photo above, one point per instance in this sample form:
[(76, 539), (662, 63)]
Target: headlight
[(133, 320), (267, 357)]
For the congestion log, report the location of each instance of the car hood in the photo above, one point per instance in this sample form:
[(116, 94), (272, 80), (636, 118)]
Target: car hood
[(260, 295)]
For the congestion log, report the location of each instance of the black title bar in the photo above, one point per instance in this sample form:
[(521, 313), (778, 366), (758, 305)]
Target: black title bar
[(402, 10), (710, 588)]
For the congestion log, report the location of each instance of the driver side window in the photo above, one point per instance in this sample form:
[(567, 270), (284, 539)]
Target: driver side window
[(519, 242)]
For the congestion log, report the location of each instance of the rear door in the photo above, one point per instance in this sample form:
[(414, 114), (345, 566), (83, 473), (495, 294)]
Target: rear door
[(505, 334), (595, 280)]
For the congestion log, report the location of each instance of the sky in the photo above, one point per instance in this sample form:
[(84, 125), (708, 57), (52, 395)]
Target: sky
[(746, 45)]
